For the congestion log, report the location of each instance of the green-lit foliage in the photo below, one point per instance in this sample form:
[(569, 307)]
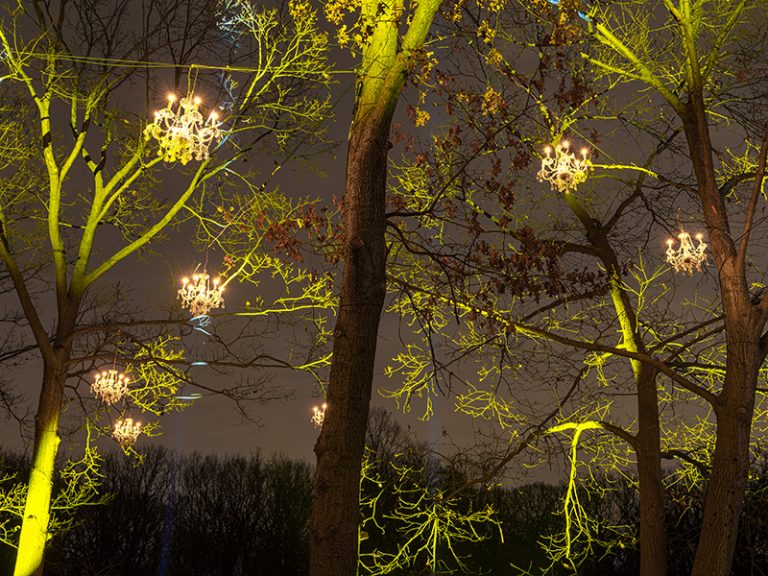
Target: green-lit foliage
[(412, 523), (584, 536), (85, 192), (12, 495), (427, 525), (264, 234), (536, 311)]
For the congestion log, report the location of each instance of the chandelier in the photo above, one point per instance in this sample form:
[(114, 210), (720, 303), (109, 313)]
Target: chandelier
[(562, 169), (318, 415), (182, 132), (110, 386), (201, 294), (688, 257), (126, 431)]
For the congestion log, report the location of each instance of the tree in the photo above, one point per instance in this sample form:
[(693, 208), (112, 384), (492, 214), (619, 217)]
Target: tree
[(71, 67), (385, 59), (692, 80), (485, 289)]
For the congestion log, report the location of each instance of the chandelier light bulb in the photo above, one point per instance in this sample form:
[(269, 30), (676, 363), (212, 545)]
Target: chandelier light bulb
[(182, 132), (126, 431), (110, 386), (201, 294), (687, 258), (562, 169), (318, 415)]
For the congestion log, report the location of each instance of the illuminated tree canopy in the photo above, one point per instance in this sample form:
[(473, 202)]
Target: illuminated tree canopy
[(87, 187), (560, 201)]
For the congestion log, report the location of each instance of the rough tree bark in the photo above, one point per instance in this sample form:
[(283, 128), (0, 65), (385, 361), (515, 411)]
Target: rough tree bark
[(339, 449), (745, 320)]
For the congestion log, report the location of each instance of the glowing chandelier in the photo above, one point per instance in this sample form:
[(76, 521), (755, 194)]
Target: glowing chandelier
[(201, 294), (318, 415), (687, 257), (126, 431), (110, 386), (562, 169), (182, 132)]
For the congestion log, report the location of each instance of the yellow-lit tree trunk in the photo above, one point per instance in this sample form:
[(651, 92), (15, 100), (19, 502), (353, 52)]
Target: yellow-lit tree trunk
[(339, 449), (36, 516), (34, 527)]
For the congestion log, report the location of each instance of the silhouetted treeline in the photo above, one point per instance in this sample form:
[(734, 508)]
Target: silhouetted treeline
[(231, 515), (189, 515)]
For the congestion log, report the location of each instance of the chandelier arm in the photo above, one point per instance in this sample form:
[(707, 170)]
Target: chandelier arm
[(562, 169), (126, 431)]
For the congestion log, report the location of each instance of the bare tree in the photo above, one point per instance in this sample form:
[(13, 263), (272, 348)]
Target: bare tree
[(85, 195)]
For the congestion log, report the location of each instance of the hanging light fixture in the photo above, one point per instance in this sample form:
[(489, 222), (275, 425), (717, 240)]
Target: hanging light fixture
[(200, 295), (126, 431), (182, 132), (110, 386), (562, 169), (687, 257), (318, 415)]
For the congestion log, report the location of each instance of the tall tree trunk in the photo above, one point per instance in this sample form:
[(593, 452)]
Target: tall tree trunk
[(34, 526), (744, 322), (339, 449), (647, 442), (387, 55), (727, 484), (653, 528)]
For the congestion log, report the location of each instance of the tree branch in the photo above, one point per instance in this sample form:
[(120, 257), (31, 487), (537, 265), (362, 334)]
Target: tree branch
[(758, 187)]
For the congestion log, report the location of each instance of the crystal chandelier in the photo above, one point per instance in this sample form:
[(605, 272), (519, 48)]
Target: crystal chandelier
[(126, 431), (318, 415), (110, 386), (688, 257), (563, 170), (201, 294), (182, 132)]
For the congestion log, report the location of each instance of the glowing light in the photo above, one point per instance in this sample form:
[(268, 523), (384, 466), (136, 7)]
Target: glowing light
[(688, 257), (182, 132), (201, 294), (126, 431), (110, 386), (562, 169), (318, 415)]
